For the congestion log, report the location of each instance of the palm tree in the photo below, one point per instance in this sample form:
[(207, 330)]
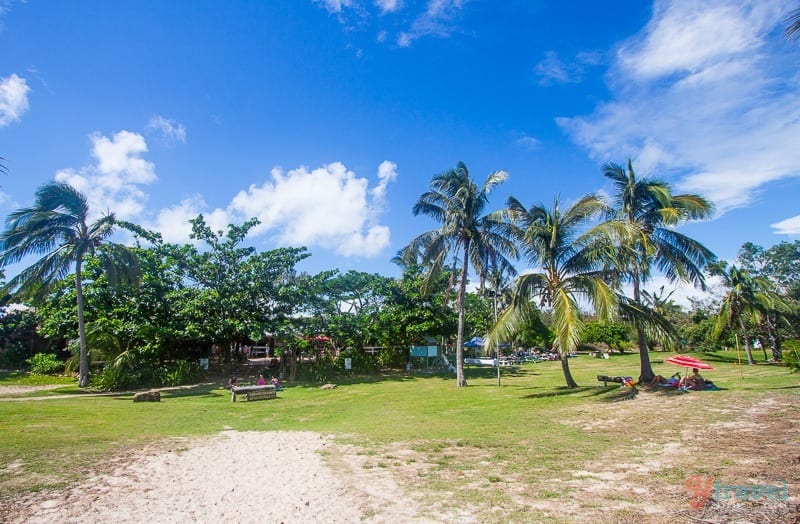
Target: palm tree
[(648, 211), (571, 269), (793, 25), (56, 226), (747, 295), (458, 204)]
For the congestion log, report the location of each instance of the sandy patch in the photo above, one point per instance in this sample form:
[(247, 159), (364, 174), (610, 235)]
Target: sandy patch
[(243, 477), (22, 390)]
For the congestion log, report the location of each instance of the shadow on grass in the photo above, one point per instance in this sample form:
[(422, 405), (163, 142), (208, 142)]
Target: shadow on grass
[(565, 391)]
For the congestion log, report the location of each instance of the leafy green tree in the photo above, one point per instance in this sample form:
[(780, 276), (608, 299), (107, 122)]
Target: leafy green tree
[(570, 269), (57, 227), (747, 297), (458, 204), (613, 334), (648, 212), (19, 337), (349, 308), (410, 314), (780, 264), (238, 294)]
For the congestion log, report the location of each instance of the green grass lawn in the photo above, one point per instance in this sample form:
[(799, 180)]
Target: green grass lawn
[(519, 427)]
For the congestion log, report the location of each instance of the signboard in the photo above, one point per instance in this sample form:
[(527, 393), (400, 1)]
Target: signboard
[(424, 351), (348, 363)]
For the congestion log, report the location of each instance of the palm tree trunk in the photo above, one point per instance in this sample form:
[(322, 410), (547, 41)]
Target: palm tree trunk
[(774, 343), (646, 374), (462, 288), (83, 371), (750, 360), (565, 368)]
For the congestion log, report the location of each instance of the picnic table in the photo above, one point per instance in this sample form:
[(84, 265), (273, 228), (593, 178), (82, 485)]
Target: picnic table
[(265, 392)]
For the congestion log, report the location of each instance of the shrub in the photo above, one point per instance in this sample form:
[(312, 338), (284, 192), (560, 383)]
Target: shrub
[(324, 369), (132, 370), (791, 354), (45, 364)]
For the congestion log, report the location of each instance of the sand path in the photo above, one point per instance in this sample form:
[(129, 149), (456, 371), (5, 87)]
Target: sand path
[(242, 477)]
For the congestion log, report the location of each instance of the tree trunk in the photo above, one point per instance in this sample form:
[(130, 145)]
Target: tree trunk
[(763, 344), (462, 288), (565, 368), (646, 374), (774, 343), (746, 340), (83, 370)]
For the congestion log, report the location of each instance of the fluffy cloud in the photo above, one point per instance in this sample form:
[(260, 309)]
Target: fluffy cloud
[(328, 207), (702, 94), (13, 99), (112, 182), (170, 131), (790, 226), (174, 222)]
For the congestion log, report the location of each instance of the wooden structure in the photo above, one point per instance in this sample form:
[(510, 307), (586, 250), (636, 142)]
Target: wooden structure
[(265, 392)]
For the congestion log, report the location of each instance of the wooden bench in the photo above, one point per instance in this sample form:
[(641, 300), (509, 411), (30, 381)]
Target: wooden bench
[(606, 379), (264, 392)]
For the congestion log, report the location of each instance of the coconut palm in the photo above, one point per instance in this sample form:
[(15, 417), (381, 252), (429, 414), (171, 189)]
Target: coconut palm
[(458, 204), (648, 211), (748, 296), (57, 227), (570, 266), (793, 25)]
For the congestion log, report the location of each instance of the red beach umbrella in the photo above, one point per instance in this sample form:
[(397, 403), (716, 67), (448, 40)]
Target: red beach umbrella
[(686, 361)]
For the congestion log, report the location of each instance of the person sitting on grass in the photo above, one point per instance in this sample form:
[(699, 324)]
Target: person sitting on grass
[(694, 381)]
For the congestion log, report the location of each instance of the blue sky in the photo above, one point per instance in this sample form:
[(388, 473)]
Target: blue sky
[(327, 118)]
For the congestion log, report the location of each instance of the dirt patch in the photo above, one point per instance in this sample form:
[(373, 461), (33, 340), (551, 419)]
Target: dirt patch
[(662, 443), (23, 390)]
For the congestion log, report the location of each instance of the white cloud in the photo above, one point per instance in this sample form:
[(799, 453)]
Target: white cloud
[(436, 20), (552, 70), (389, 6), (527, 142), (170, 131), (790, 226), (174, 222), (702, 94), (13, 99), (685, 36), (387, 173), (112, 182), (328, 207), (335, 6)]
